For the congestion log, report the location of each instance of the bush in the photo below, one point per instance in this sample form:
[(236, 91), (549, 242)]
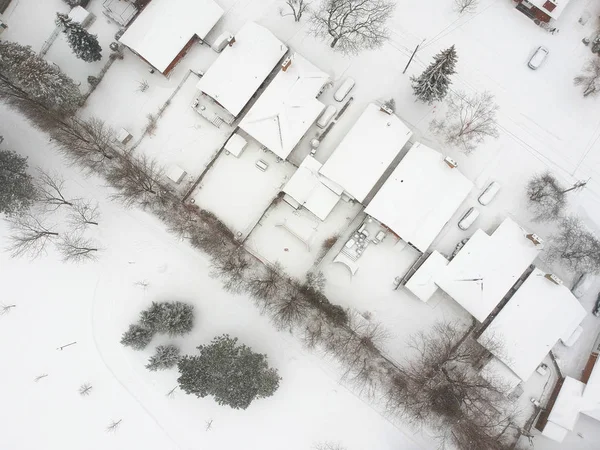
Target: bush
[(93, 81), (165, 357), (72, 3), (173, 318), (232, 373), (137, 337)]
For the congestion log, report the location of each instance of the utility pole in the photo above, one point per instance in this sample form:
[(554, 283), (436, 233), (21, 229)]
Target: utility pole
[(412, 56)]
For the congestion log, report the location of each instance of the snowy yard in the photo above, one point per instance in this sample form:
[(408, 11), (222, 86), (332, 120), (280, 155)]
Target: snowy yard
[(274, 243), (237, 191)]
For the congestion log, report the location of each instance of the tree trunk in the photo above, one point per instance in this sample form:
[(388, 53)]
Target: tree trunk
[(335, 40)]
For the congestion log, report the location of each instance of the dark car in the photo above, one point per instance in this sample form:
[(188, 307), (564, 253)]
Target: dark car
[(596, 310)]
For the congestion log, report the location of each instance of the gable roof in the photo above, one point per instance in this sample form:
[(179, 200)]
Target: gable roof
[(366, 151), (287, 107), (164, 27), (241, 68)]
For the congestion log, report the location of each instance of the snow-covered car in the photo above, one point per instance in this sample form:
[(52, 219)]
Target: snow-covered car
[(467, 220), (344, 89), (490, 192), (538, 57), (326, 116), (582, 285)]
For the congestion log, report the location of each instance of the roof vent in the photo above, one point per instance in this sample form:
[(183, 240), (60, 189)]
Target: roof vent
[(232, 41), (287, 62), (535, 239), (386, 110), (554, 279), (451, 163)]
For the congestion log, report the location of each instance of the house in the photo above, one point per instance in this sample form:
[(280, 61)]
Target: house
[(420, 196), (4, 5), (288, 107), (487, 267), (542, 10), (307, 188), (166, 29), (241, 69), (366, 152), (540, 313), (574, 398)]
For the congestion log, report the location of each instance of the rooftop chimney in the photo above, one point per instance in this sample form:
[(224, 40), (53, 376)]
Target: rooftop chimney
[(386, 110), (287, 62), (231, 41), (554, 279), (451, 163), (535, 239)]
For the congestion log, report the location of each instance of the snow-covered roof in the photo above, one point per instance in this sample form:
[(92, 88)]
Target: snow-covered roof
[(496, 372), (164, 27), (366, 151), (420, 196), (422, 283), (79, 14), (306, 187), (287, 107), (555, 12), (484, 270), (242, 67), (539, 314)]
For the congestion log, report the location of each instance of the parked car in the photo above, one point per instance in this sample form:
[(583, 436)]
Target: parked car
[(490, 192), (582, 285), (344, 89), (326, 116), (467, 220), (538, 57), (596, 310)]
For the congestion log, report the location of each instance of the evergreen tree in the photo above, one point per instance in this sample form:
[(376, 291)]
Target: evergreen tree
[(17, 191), (137, 337), (84, 45), (165, 357), (173, 318), (232, 373), (24, 74), (432, 85)]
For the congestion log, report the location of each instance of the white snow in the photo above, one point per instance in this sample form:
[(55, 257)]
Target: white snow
[(483, 271), (164, 28), (539, 314), (422, 283), (420, 196), (307, 189), (287, 108), (366, 151), (242, 67)]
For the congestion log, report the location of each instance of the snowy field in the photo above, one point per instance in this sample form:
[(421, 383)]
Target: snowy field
[(237, 191), (93, 304)]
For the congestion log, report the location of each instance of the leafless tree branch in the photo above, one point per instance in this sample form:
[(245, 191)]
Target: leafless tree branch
[(29, 235), (77, 248)]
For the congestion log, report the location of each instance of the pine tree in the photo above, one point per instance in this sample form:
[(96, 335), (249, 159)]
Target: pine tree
[(165, 357), (17, 191), (84, 45), (173, 318), (232, 373), (137, 337), (432, 85), (24, 74)]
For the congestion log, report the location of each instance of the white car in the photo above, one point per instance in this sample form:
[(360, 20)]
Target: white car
[(326, 116), (344, 89), (582, 285), (490, 192), (538, 57), (467, 220)]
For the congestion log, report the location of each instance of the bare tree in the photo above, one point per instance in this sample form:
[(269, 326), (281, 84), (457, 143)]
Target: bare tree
[(266, 283), (546, 197), (50, 190), (112, 427), (84, 213), (171, 393), (298, 7), (76, 248), (575, 246), (590, 79), (85, 389), (232, 268), (353, 25), (39, 377), (137, 179), (467, 6), (468, 121), (29, 235), (289, 308), (327, 445), (6, 309)]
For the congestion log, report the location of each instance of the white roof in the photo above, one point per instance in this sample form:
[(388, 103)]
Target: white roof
[(539, 314), (165, 26), (420, 196), (484, 270), (422, 282), (241, 68), (307, 188), (79, 14), (236, 144), (500, 376), (366, 151), (287, 107), (555, 14)]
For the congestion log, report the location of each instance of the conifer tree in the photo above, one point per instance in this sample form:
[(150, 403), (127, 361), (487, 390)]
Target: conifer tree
[(17, 191), (84, 45), (165, 357), (173, 318), (137, 337), (432, 85)]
